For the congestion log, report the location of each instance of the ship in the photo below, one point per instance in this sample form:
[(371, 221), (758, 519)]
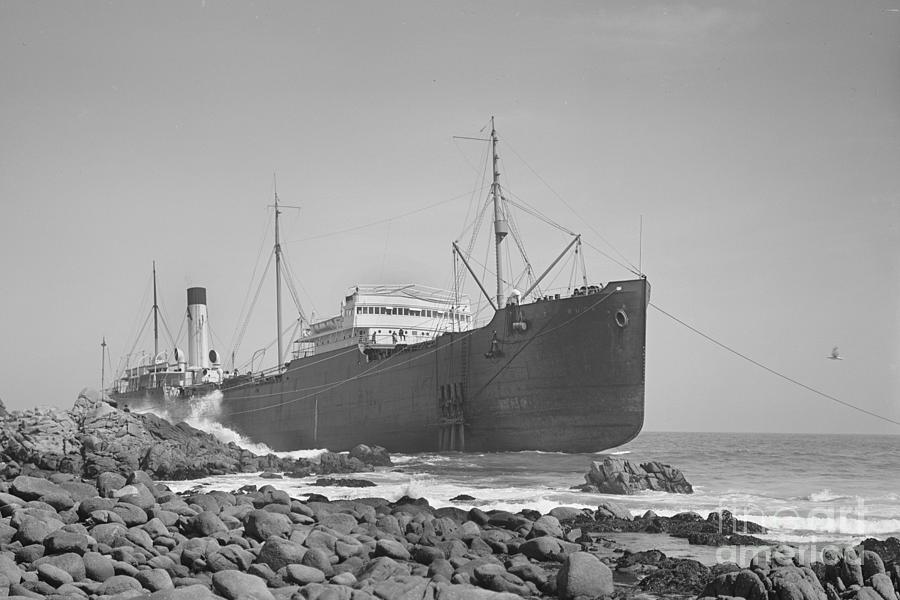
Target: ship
[(408, 368)]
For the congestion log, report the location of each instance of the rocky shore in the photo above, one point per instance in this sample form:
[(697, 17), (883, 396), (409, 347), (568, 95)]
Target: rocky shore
[(82, 517), (117, 537), (93, 438)]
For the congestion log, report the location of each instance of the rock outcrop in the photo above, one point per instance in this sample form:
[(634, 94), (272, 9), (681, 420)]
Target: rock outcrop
[(128, 537), (613, 475), (717, 529), (781, 573), (93, 438)]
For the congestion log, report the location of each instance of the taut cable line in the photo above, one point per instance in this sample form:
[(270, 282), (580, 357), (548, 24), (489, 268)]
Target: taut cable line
[(773, 371)]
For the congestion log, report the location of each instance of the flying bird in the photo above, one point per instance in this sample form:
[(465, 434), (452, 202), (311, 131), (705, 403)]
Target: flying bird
[(834, 354)]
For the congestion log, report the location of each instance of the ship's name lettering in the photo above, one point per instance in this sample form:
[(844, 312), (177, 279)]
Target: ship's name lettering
[(515, 403)]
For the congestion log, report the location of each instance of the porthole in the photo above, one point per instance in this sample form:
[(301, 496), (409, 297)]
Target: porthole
[(621, 318)]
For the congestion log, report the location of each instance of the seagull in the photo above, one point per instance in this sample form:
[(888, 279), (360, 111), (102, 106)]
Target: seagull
[(834, 354)]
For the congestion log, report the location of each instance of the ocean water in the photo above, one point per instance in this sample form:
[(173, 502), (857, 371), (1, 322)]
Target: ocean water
[(814, 490)]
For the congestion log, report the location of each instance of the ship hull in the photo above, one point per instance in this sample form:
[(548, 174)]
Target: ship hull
[(556, 375)]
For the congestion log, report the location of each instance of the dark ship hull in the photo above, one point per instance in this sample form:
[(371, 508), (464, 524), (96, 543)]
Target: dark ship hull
[(563, 374)]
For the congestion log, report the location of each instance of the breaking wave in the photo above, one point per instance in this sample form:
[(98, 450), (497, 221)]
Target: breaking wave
[(204, 414), (824, 495)]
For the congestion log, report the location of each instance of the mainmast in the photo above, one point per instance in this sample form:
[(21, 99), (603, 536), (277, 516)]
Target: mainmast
[(278, 279), (102, 366), (500, 225), (155, 318)]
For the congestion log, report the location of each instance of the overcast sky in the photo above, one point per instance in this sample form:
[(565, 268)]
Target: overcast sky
[(759, 142)]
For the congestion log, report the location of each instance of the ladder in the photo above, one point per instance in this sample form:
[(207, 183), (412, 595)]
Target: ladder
[(452, 404)]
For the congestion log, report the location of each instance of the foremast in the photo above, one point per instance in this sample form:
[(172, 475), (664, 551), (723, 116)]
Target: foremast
[(278, 282)]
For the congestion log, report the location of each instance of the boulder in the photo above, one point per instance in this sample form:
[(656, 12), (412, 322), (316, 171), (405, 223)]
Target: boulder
[(277, 552), (235, 585), (263, 524), (303, 574), (676, 576), (371, 455), (583, 574), (495, 577), (546, 548), (612, 510), (614, 475)]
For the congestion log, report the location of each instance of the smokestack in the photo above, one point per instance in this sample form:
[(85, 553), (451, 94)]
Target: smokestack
[(198, 329)]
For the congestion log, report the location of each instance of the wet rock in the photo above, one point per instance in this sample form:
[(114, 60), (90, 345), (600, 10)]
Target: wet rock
[(614, 475), (278, 552), (371, 455), (546, 525), (262, 524), (235, 585), (612, 510), (681, 576), (345, 482), (882, 584), (888, 550), (392, 549), (109, 482), (206, 523), (303, 574), (60, 542), (462, 498), (583, 574), (871, 564), (118, 584), (53, 575), (548, 549), (717, 539), (97, 566), (744, 583), (495, 577), (33, 526), (383, 568)]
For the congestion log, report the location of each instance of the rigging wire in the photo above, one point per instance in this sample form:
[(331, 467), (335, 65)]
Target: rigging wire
[(525, 207), (168, 332), (632, 268), (475, 226), (291, 281), (262, 243), (109, 364), (378, 222), (613, 259), (181, 327), (572, 274), (559, 271), (162, 316), (243, 331), (773, 371), (140, 333), (137, 316)]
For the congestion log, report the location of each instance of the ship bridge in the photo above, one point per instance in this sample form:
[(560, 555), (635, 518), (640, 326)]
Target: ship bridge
[(385, 316)]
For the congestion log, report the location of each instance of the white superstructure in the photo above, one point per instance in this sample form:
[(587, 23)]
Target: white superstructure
[(384, 316)]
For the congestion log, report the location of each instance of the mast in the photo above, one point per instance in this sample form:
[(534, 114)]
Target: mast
[(155, 318), (278, 278), (102, 366), (500, 225)]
